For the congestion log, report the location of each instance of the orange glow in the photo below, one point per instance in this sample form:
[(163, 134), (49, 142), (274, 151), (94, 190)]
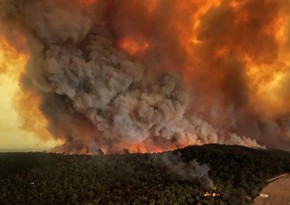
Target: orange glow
[(224, 50), (147, 148), (266, 74), (189, 35), (24, 104), (32, 118), (11, 60), (87, 2), (268, 82), (152, 5), (133, 47)]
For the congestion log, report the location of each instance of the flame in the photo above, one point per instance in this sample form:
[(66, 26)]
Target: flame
[(204, 40), (189, 38), (24, 113), (268, 81), (32, 118), (254, 31), (10, 60), (266, 74), (133, 47)]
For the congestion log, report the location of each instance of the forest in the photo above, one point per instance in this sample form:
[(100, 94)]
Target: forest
[(238, 174)]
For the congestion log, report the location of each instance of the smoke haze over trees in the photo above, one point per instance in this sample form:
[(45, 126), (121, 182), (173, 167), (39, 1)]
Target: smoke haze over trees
[(238, 174)]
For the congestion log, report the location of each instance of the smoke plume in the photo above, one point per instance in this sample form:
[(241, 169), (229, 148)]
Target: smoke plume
[(190, 171), (155, 75)]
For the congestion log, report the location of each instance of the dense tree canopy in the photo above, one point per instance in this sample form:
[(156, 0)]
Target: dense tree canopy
[(238, 174)]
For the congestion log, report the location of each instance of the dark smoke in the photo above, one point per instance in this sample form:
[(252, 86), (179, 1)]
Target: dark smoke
[(97, 97)]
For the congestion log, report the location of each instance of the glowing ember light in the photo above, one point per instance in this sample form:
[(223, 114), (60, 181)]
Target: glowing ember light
[(267, 82), (189, 37), (20, 109), (212, 194), (134, 47)]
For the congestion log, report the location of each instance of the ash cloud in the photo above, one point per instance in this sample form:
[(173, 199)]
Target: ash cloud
[(97, 97)]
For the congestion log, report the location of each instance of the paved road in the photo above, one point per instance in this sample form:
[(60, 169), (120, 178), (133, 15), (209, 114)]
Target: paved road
[(278, 191)]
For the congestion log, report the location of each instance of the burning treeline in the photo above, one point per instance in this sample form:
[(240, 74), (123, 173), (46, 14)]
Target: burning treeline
[(154, 75)]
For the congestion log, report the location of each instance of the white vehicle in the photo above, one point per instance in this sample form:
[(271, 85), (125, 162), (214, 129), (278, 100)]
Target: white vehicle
[(264, 196)]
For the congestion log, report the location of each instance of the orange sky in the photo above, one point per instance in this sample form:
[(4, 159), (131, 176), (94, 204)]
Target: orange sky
[(12, 135), (246, 60)]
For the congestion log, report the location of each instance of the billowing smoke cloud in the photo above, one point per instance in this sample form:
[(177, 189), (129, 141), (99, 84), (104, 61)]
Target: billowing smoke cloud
[(152, 76)]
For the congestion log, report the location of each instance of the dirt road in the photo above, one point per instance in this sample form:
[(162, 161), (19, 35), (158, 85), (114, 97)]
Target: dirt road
[(278, 191)]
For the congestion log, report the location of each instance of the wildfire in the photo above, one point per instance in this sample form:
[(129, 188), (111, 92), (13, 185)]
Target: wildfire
[(25, 104), (12, 62), (195, 72), (268, 82), (267, 68), (134, 47)]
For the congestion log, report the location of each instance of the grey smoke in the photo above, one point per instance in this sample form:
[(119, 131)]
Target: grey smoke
[(190, 171), (96, 96)]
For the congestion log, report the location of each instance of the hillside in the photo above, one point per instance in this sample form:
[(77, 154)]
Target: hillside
[(238, 174)]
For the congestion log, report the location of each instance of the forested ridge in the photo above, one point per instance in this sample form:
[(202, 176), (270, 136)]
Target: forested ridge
[(238, 174)]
